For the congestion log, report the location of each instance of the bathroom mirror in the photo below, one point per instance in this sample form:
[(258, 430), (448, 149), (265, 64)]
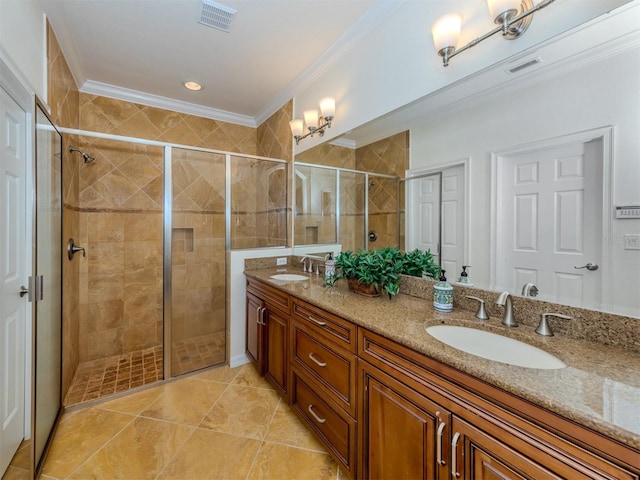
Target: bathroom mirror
[(492, 117)]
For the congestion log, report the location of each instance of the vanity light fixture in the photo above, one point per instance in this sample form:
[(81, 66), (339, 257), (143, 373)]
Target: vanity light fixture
[(512, 16), (192, 85), (312, 118)]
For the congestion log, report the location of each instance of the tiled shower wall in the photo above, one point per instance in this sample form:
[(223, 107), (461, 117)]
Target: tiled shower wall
[(64, 101), (389, 156), (121, 228)]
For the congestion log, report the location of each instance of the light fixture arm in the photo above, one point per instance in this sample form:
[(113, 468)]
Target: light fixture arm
[(510, 28), (313, 130)]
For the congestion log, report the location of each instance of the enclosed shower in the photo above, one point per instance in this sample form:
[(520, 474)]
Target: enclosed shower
[(156, 223), (353, 208)]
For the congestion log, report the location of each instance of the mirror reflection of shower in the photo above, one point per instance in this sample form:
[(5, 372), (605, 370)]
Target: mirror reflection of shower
[(87, 158)]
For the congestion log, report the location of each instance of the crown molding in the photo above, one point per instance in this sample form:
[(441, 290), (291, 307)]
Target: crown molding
[(135, 96), (344, 142), (372, 18)]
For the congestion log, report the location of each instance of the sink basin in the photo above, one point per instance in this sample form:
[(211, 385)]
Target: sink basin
[(289, 277), (495, 347)]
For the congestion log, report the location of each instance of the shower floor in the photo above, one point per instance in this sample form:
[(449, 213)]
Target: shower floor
[(106, 376), (99, 378)]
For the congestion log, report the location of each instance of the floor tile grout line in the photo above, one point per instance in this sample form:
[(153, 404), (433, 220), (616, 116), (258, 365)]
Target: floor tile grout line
[(164, 467), (104, 445)]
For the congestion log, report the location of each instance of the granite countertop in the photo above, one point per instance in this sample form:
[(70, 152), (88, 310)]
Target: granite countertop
[(599, 388)]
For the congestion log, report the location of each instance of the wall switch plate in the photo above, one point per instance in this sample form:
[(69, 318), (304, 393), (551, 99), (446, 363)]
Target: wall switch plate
[(281, 261), (631, 242)]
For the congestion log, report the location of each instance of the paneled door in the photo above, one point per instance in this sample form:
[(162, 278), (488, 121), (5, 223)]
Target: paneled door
[(13, 268), (423, 213), (551, 200)]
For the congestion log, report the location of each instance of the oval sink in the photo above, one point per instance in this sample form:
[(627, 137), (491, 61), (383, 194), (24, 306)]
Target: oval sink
[(495, 347), (289, 277)]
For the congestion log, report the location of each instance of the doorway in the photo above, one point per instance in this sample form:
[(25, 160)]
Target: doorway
[(549, 197), (436, 213)]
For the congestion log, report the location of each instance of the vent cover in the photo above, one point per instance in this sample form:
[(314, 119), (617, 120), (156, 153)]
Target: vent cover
[(525, 65), (216, 15)]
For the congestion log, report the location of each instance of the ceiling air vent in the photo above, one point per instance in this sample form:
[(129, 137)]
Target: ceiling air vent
[(522, 66), (216, 15)]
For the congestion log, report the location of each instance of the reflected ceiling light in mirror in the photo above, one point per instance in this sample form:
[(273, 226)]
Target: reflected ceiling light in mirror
[(312, 118), (512, 16)]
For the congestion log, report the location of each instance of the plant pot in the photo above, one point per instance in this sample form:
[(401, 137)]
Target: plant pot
[(362, 289)]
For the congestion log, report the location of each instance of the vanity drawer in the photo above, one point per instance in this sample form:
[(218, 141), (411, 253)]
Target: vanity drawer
[(332, 367), (335, 429), (274, 297), (326, 324)]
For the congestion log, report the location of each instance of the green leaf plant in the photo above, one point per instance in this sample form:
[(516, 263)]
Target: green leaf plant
[(382, 268)]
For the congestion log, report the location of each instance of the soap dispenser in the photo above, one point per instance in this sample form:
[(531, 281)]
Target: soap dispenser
[(443, 294), (329, 266), (464, 277)]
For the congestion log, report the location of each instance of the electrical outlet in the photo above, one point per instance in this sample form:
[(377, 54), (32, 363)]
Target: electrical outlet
[(281, 261), (631, 242)]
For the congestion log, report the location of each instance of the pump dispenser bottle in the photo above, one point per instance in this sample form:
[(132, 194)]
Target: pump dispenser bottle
[(443, 294)]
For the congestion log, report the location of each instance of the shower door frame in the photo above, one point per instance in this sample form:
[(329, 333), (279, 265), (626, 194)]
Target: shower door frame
[(167, 225)]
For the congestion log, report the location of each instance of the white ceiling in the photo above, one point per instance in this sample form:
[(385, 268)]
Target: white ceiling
[(145, 49)]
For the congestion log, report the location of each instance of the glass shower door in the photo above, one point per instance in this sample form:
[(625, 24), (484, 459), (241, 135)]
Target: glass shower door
[(48, 318), (198, 258)]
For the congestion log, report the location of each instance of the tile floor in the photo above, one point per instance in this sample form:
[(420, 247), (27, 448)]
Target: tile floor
[(106, 376), (219, 424)]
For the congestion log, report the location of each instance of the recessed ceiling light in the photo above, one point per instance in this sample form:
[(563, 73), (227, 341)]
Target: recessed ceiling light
[(192, 85)]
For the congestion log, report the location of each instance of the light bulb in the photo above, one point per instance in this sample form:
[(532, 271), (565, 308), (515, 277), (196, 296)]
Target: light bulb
[(446, 31)]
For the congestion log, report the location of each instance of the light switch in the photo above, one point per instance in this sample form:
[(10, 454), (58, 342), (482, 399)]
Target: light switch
[(631, 242)]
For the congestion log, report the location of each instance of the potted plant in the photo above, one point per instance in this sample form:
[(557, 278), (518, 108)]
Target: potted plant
[(376, 271)]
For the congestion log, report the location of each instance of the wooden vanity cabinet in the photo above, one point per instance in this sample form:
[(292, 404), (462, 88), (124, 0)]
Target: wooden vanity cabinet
[(267, 335), (489, 433), (323, 378)]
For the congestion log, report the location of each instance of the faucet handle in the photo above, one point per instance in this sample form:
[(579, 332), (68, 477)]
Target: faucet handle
[(482, 312), (544, 328)]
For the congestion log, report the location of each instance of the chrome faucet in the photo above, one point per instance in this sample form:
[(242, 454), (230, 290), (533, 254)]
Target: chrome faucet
[(304, 263), (529, 290), (508, 319)]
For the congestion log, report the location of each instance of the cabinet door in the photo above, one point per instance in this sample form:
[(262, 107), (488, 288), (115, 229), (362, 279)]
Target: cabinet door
[(254, 335), (276, 330), (404, 434), (479, 456)]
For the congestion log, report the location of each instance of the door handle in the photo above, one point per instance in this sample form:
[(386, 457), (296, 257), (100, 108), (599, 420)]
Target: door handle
[(23, 291), (592, 267), (454, 456), (439, 444)]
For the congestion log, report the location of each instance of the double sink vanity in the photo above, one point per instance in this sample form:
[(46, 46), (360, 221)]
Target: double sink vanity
[(380, 384)]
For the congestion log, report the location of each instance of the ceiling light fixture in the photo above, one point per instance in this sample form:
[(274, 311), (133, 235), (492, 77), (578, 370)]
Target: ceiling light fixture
[(312, 118), (192, 85), (512, 16)]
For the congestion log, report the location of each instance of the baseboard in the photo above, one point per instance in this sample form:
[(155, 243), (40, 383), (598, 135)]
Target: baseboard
[(238, 360)]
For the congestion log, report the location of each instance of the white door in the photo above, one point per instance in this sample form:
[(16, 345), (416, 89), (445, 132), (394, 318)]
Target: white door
[(13, 308), (551, 199), (452, 213), (423, 207)]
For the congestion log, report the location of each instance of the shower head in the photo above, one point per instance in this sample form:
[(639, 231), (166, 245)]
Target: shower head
[(87, 158)]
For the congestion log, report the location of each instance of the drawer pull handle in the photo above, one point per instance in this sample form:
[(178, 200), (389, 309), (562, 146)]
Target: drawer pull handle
[(315, 415), (316, 361), (439, 444), (454, 455), (317, 322), (259, 315)]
